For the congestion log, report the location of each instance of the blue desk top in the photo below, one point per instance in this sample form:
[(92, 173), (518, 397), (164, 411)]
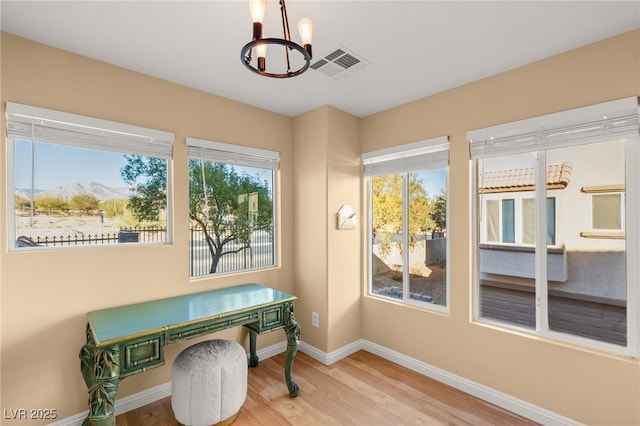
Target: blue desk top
[(117, 323)]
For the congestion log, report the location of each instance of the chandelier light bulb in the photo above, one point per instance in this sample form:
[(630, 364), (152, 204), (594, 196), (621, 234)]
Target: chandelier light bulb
[(256, 49), (261, 50), (256, 7), (305, 27), (261, 53)]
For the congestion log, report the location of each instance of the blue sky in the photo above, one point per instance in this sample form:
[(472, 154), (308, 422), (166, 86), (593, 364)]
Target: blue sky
[(434, 181), (59, 165)]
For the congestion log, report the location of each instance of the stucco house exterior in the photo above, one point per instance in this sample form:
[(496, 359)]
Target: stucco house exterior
[(585, 240)]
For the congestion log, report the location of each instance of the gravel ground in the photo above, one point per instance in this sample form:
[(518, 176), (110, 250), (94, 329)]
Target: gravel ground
[(429, 280), (64, 226)]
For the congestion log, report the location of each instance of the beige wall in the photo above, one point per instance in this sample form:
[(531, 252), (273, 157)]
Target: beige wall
[(45, 295), (592, 387), (310, 223), (344, 256), (327, 264)]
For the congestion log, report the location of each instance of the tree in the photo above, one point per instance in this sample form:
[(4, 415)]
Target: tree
[(148, 179), (85, 203), (21, 202), (439, 213), (387, 209), (50, 203), (420, 208), (114, 207), (227, 205)]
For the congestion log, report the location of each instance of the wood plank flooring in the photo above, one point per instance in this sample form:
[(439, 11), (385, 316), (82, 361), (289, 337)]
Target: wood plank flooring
[(362, 389)]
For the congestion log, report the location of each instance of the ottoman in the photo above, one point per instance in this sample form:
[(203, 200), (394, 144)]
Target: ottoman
[(209, 383)]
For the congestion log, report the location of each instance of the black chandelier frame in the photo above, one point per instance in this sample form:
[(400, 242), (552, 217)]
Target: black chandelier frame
[(245, 56), (247, 49)]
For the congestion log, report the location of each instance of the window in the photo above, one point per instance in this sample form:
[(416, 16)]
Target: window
[(493, 220), (552, 195), (232, 207), (528, 221), (81, 181), (407, 223), (516, 218), (607, 211), (508, 221)]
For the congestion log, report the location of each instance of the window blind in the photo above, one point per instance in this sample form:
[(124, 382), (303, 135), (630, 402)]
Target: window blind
[(422, 155), (44, 125), (613, 120), (232, 154)]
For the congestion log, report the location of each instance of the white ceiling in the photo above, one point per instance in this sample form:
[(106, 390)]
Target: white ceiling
[(416, 48)]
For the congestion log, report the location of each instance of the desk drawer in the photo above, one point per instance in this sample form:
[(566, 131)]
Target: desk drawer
[(211, 326), (142, 354), (271, 318)]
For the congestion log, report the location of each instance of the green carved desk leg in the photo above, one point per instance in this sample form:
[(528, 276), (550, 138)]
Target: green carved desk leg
[(253, 357), (101, 372), (292, 328)]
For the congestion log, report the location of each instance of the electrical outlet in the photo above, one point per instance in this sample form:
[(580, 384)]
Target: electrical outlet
[(315, 319)]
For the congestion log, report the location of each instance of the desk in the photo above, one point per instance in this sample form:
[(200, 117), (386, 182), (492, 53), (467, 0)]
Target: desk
[(127, 340)]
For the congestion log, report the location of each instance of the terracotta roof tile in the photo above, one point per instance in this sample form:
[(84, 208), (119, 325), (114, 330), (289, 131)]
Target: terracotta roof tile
[(513, 180)]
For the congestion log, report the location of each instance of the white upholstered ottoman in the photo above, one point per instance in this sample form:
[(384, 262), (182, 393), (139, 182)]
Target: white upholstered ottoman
[(209, 383)]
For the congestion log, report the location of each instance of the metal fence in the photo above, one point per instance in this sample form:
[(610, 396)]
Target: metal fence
[(260, 253), (125, 235), (147, 234)]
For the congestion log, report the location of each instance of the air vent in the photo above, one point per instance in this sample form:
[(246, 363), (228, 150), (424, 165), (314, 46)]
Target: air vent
[(340, 63)]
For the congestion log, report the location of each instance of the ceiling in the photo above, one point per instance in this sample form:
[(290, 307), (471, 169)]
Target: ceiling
[(413, 48)]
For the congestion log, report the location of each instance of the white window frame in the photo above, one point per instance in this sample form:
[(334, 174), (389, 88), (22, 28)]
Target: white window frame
[(615, 120), (207, 150), (417, 156), (518, 198), (25, 122), (622, 215)]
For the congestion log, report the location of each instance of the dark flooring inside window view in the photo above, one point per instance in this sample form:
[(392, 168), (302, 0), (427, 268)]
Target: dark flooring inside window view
[(595, 320)]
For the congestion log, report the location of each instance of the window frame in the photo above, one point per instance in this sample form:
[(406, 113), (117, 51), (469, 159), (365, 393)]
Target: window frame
[(239, 155), (620, 212), (40, 125), (615, 120), (518, 219), (430, 154)]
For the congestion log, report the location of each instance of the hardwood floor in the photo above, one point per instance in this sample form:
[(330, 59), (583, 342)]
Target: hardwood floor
[(362, 389)]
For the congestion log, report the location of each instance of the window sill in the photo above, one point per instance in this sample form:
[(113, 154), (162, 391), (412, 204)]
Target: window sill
[(519, 261), (609, 235), (520, 248), (411, 304)]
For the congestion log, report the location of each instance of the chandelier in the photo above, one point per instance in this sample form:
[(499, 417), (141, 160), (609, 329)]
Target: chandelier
[(258, 45)]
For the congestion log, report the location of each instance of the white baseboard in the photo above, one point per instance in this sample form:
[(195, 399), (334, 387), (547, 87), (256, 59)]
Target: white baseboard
[(478, 390), (501, 399), (485, 393), (125, 404), (155, 393), (330, 358), (272, 350), (75, 420)]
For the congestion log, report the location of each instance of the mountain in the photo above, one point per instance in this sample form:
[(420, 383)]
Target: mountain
[(100, 191)]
